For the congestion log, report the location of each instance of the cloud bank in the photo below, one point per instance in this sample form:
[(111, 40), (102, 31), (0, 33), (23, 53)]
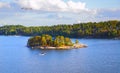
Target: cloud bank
[(53, 5), (2, 4), (51, 12)]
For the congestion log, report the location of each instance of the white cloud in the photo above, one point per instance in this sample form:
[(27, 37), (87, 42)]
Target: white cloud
[(51, 12), (2, 4), (76, 5), (53, 5), (101, 15), (109, 12)]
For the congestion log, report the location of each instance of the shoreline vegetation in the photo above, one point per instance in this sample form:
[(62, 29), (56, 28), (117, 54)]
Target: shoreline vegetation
[(94, 30), (47, 42)]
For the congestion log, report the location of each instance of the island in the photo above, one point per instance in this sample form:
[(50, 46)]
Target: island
[(48, 42)]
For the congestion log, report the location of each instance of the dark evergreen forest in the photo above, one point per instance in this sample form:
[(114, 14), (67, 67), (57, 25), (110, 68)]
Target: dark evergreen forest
[(106, 29)]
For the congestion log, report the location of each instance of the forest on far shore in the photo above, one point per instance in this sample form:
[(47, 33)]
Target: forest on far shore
[(106, 29)]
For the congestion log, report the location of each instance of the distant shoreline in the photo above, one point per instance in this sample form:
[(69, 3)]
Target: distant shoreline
[(115, 38), (90, 30)]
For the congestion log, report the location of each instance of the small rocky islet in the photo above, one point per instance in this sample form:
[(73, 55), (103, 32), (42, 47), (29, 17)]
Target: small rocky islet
[(48, 42)]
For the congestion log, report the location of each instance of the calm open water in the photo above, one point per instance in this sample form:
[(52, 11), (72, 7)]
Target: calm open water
[(101, 56)]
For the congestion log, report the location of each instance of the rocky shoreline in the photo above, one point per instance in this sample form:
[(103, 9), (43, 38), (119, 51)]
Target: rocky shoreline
[(75, 46)]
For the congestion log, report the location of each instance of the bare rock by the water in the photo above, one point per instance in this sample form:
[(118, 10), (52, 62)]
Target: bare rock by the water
[(79, 45), (75, 46)]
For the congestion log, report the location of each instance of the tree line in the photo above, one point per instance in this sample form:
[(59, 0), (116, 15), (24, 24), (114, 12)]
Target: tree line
[(106, 29), (47, 40)]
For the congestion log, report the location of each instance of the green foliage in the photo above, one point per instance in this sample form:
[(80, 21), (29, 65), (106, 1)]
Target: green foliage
[(76, 41), (68, 42), (43, 41), (46, 40), (107, 29)]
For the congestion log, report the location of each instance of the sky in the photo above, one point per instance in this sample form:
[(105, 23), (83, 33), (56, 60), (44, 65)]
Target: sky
[(53, 12)]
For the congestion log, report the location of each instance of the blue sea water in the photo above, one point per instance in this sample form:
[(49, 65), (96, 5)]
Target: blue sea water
[(101, 56)]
